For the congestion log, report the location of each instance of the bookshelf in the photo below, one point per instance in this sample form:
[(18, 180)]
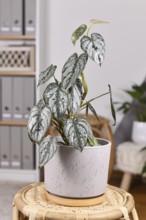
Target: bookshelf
[(11, 173), (18, 37)]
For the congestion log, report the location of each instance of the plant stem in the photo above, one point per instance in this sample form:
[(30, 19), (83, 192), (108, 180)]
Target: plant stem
[(84, 86), (84, 105)]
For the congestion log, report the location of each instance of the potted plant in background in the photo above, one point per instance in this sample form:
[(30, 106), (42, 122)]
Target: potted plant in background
[(76, 163), (137, 106)]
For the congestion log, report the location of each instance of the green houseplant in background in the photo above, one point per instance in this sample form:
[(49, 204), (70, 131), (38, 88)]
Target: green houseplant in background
[(61, 107), (137, 106)]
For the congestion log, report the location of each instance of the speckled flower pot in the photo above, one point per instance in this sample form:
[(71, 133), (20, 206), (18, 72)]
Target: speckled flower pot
[(74, 174)]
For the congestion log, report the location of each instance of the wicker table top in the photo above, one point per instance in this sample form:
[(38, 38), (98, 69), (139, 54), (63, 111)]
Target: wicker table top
[(32, 202)]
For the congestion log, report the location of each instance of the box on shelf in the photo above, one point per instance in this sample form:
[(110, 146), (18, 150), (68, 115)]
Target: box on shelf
[(17, 58)]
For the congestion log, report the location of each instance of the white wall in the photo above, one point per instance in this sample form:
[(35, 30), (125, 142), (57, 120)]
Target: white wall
[(125, 38)]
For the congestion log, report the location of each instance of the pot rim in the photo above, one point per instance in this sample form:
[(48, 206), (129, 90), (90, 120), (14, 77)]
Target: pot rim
[(105, 144)]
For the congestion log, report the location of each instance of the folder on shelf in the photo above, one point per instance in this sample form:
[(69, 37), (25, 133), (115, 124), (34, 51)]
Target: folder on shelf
[(6, 88), (16, 17), (30, 17), (29, 95), (27, 151), (0, 98), (18, 98), (15, 147), (5, 17), (5, 147)]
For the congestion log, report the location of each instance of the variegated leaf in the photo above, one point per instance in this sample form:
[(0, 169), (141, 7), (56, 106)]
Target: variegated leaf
[(75, 97), (94, 47), (76, 132), (47, 149), (78, 33), (38, 122), (47, 74), (41, 103), (56, 98), (90, 134), (72, 69)]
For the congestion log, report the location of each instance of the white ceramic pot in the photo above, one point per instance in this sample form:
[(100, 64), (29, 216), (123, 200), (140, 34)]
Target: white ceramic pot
[(139, 132), (74, 174)]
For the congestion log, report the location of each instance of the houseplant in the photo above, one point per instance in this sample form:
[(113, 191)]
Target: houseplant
[(137, 107), (60, 107)]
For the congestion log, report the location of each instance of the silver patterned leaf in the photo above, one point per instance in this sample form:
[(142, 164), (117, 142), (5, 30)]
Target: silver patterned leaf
[(47, 149), (47, 74), (56, 98), (94, 47), (38, 122), (78, 33), (72, 69), (41, 103), (90, 133), (75, 97), (76, 132)]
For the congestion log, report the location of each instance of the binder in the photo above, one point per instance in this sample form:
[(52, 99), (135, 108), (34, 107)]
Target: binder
[(0, 98), (5, 17), (17, 98), (29, 95), (5, 147), (6, 98), (15, 156), (16, 17), (27, 151), (30, 17)]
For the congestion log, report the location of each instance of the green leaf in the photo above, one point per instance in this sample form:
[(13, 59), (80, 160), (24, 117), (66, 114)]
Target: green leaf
[(75, 97), (76, 132), (47, 74), (94, 47), (47, 149), (38, 122), (72, 69), (112, 106), (56, 98), (92, 109), (78, 33)]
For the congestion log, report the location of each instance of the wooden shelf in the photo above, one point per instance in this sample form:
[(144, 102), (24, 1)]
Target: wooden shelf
[(13, 123), (17, 73), (19, 37)]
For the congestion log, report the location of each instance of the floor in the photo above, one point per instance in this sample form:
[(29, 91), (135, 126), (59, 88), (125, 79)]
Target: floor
[(8, 190)]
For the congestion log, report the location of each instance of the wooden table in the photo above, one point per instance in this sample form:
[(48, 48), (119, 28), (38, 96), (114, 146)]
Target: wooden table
[(32, 203)]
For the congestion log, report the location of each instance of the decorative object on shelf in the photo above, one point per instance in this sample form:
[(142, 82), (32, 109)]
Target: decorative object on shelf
[(137, 107), (61, 107), (17, 58)]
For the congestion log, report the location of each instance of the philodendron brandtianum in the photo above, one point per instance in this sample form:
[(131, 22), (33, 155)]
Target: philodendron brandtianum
[(63, 100)]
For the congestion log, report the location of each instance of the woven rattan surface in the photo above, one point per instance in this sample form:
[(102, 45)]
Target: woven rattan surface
[(32, 203)]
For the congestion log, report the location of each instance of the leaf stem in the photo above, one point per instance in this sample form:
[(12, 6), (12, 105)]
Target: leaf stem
[(84, 104)]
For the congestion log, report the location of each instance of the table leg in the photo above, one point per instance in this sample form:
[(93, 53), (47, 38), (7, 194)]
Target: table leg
[(15, 213), (126, 181), (134, 214)]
